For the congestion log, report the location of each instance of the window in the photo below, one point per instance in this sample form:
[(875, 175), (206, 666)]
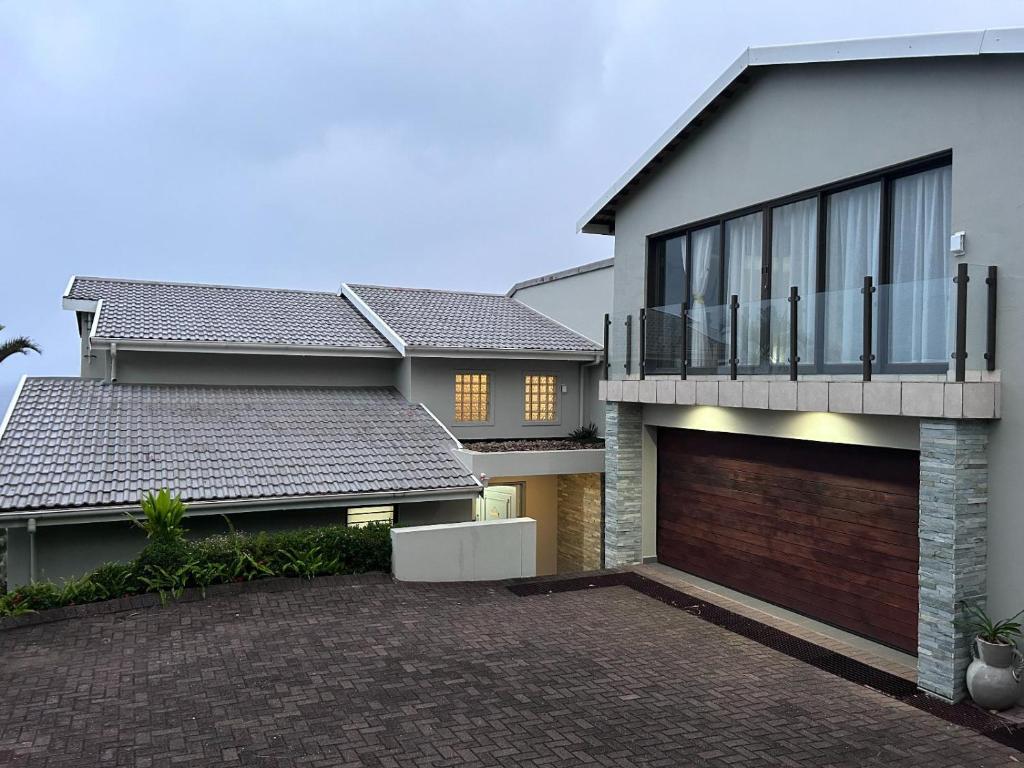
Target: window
[(706, 319), (892, 225), (540, 398), (360, 517), (472, 397), (794, 262)]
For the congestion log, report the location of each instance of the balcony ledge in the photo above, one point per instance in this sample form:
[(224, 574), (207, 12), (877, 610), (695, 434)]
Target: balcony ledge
[(896, 396)]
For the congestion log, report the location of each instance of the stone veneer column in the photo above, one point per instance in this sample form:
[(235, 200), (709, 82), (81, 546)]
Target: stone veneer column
[(623, 449), (953, 547)]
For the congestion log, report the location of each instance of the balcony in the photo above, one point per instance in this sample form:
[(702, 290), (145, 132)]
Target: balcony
[(921, 348)]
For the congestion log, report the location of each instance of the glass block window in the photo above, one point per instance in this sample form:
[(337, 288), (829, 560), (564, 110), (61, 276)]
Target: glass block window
[(360, 517), (472, 397), (541, 397)]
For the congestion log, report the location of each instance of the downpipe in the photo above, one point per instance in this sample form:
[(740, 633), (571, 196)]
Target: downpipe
[(30, 526)]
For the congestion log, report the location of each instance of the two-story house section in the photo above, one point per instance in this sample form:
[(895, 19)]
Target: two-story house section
[(807, 402), (511, 384), (284, 408)]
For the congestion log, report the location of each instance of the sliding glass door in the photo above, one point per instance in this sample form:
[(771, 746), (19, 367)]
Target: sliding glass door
[(893, 226), (920, 292), (794, 263)]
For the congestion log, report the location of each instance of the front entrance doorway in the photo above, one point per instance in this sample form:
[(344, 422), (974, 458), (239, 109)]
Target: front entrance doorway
[(499, 502)]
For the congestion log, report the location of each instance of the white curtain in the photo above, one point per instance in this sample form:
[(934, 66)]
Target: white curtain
[(851, 253), (704, 316), (794, 249), (921, 291), (743, 278)]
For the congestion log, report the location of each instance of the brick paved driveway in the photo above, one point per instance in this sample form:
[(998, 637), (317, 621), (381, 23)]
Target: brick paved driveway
[(415, 675)]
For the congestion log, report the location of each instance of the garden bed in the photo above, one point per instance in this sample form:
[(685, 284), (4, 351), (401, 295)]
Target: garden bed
[(541, 444)]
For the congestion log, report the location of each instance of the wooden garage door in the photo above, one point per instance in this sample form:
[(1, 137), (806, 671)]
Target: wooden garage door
[(827, 530)]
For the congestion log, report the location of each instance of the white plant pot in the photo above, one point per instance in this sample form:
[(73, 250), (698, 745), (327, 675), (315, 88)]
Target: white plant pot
[(994, 675)]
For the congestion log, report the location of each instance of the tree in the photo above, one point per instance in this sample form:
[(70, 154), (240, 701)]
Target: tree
[(19, 344)]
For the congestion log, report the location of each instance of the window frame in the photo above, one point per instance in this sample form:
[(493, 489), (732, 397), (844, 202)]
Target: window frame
[(489, 421), (558, 399), (821, 193)]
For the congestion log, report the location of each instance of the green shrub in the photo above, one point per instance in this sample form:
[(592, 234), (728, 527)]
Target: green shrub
[(164, 515), (586, 434), (114, 580), (168, 564), (162, 552)]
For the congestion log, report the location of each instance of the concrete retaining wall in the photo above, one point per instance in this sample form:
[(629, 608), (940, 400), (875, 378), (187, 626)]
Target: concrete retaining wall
[(477, 551)]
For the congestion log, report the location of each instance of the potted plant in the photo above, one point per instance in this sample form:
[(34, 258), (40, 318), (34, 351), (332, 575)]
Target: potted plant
[(993, 677)]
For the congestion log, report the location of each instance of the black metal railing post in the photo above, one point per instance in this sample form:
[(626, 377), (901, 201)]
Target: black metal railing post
[(643, 342), (868, 356), (960, 341), (683, 336), (628, 365), (607, 329), (734, 306), (794, 360), (990, 328)]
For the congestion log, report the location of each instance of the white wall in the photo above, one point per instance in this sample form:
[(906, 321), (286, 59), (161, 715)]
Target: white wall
[(578, 301), (477, 551)]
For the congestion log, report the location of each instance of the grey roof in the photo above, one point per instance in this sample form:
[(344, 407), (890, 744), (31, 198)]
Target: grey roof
[(434, 319), (600, 219), (84, 443), (219, 314), (582, 269)]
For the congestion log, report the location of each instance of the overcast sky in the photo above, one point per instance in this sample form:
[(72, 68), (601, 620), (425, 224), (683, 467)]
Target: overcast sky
[(300, 144)]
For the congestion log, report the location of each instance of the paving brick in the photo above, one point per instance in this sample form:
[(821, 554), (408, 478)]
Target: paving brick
[(388, 675)]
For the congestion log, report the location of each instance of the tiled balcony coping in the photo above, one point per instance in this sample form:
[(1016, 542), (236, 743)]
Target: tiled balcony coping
[(917, 396)]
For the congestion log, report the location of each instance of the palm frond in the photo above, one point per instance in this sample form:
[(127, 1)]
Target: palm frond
[(18, 345)]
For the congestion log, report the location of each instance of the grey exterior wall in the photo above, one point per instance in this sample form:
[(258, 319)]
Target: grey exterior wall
[(297, 370), (798, 127), (433, 384), (71, 550), (577, 301)]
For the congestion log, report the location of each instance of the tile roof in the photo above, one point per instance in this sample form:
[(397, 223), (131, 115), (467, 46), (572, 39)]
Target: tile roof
[(142, 310), (84, 443), (459, 320)]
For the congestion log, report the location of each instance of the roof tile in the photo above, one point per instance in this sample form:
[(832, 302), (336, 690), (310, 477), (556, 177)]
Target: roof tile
[(85, 443)]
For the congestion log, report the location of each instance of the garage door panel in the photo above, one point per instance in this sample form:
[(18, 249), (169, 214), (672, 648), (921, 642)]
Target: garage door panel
[(854, 504), (858, 586), (799, 517), (826, 530), (884, 624), (784, 556), (901, 506)]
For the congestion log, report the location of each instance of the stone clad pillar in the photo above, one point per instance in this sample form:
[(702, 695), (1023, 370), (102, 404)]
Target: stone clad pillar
[(623, 452), (953, 547)]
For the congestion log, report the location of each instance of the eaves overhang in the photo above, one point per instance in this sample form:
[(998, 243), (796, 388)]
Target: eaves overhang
[(99, 514), (600, 218)]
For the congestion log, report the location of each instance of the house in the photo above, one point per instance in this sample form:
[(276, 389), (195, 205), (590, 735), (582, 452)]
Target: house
[(806, 400), (283, 408)]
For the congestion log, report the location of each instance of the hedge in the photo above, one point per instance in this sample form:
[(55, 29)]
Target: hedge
[(169, 564)]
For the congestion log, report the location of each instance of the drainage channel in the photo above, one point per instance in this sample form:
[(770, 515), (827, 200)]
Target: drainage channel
[(962, 714)]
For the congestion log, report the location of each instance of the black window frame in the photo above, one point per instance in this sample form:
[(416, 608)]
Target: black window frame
[(886, 176)]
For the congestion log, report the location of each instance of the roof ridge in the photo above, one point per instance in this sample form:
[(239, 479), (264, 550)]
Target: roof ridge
[(427, 290), (225, 286)]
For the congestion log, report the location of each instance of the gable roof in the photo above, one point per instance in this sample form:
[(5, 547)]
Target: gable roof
[(600, 219), (424, 320), (147, 311), (74, 444)]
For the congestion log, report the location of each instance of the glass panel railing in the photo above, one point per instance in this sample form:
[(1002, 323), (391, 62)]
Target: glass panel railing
[(663, 339), (979, 318), (915, 321), (914, 328), (707, 330)]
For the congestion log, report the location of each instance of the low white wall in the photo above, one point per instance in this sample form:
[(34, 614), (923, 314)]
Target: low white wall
[(477, 551)]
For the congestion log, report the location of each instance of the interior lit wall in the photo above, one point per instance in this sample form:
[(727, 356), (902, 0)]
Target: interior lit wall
[(540, 501)]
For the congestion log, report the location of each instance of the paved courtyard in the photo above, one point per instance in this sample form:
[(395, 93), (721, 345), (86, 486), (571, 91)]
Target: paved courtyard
[(414, 675)]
